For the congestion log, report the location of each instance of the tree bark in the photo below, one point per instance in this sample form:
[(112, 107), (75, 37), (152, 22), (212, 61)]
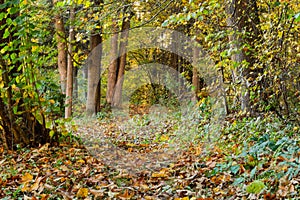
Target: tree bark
[(195, 78), (112, 70), (75, 80), (242, 18), (122, 56), (61, 49), (69, 90), (94, 70)]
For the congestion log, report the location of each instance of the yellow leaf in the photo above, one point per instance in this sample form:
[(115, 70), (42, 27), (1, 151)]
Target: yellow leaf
[(80, 161), (34, 48), (161, 174), (130, 145), (26, 178), (42, 99), (183, 198), (164, 138), (149, 198), (52, 101), (25, 188), (82, 192)]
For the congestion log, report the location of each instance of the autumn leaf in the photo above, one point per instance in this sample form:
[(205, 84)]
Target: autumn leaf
[(161, 174), (126, 195), (27, 177), (183, 198), (36, 184), (82, 192)]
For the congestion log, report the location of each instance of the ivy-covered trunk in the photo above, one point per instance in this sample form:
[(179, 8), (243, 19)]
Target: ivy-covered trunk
[(19, 100), (242, 18)]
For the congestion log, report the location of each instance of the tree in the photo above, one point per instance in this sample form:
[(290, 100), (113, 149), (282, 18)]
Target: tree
[(118, 57), (94, 68), (122, 56), (19, 101), (243, 19), (61, 48), (113, 66), (69, 88)]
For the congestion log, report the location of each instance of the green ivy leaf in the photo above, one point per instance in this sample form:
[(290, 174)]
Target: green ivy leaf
[(253, 172), (234, 169), (12, 10), (238, 181), (165, 23), (6, 34), (2, 15), (297, 17)]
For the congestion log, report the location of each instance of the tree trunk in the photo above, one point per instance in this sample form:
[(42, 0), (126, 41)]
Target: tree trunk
[(75, 79), (69, 90), (195, 78), (94, 70), (122, 55), (112, 70), (62, 50), (242, 18)]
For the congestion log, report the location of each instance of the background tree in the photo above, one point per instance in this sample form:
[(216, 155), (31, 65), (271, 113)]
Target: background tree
[(61, 47), (70, 66), (94, 66)]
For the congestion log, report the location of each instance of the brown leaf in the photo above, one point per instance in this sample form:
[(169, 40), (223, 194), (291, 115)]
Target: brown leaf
[(242, 169), (269, 196), (36, 184), (45, 196), (211, 164), (126, 195), (97, 193)]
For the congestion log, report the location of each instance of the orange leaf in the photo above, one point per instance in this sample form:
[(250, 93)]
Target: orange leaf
[(82, 192), (126, 195), (161, 174), (45, 196), (25, 187), (26, 178)]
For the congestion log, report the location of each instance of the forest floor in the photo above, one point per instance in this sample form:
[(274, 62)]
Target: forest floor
[(252, 159)]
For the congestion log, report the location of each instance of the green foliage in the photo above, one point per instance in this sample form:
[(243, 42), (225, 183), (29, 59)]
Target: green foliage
[(154, 94), (255, 187), (53, 99)]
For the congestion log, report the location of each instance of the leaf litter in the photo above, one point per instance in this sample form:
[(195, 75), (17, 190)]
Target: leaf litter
[(117, 165)]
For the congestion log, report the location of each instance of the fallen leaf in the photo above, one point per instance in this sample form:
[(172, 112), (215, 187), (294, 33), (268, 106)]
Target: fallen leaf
[(161, 174), (82, 192), (126, 195), (36, 184), (26, 178), (81, 161)]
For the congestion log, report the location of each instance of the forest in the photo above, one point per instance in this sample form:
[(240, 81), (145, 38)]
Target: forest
[(147, 99)]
